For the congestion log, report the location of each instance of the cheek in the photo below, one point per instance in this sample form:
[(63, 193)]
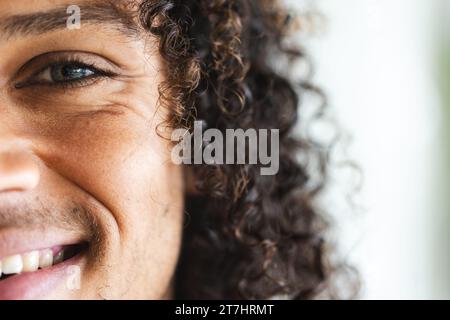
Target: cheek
[(118, 155), (122, 162)]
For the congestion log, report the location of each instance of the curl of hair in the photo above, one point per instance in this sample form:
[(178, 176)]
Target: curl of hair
[(248, 236)]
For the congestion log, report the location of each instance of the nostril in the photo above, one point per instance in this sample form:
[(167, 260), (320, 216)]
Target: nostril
[(18, 171)]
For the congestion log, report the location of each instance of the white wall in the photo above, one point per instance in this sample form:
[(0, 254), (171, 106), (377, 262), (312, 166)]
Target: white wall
[(375, 63)]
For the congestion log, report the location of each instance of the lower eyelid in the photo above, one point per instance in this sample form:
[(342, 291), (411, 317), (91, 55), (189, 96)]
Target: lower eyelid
[(74, 84), (79, 83)]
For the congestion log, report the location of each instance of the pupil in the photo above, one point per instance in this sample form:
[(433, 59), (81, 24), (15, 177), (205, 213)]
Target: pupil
[(67, 73)]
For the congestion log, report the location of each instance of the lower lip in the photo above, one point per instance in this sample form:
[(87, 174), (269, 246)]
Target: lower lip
[(39, 284)]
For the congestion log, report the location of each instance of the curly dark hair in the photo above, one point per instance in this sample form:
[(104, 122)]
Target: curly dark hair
[(247, 236)]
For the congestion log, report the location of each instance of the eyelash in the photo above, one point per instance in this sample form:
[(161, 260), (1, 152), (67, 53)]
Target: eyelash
[(98, 74)]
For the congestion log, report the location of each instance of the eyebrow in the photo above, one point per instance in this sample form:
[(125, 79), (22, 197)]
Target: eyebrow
[(101, 13)]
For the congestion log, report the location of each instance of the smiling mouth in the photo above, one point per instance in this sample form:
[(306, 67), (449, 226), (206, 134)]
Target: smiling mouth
[(37, 260)]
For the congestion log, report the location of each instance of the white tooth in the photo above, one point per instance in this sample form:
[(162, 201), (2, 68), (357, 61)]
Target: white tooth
[(59, 257), (30, 261), (0, 268), (12, 264), (46, 259)]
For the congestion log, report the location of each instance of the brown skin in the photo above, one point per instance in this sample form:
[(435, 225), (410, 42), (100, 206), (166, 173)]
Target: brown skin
[(95, 145), (88, 163)]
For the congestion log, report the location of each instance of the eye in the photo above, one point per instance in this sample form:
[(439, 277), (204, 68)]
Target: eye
[(65, 73)]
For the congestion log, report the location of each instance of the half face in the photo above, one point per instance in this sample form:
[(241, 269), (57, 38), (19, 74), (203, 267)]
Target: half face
[(90, 202)]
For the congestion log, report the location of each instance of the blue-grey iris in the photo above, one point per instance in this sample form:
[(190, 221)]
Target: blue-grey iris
[(63, 73)]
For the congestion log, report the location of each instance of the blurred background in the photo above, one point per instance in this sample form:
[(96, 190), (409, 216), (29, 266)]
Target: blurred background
[(385, 67)]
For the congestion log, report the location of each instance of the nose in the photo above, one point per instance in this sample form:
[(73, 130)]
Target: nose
[(18, 170)]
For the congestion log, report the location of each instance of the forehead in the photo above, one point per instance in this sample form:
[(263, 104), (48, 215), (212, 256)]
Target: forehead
[(24, 6), (20, 17), (12, 7)]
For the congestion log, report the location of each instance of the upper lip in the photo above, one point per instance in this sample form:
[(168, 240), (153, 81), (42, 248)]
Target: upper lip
[(15, 241)]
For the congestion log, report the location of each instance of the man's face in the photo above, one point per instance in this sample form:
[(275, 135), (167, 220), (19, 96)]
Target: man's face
[(86, 181)]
